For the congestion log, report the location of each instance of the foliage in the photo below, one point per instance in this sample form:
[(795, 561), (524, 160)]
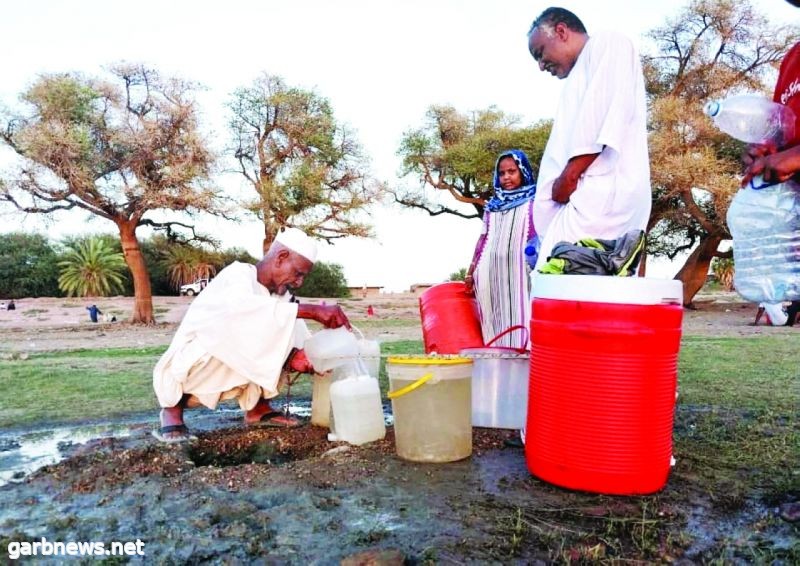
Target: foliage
[(307, 170), (325, 280), (459, 275), (28, 266), (120, 149), (91, 269), (709, 50), (454, 153), (724, 271), (185, 264)]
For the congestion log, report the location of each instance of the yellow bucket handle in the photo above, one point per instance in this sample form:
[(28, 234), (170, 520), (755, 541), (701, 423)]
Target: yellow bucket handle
[(410, 387)]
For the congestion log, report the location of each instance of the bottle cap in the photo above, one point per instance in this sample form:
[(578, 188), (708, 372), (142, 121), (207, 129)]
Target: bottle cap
[(711, 108)]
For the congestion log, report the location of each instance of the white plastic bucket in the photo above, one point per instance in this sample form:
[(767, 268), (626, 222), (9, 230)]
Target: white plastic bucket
[(499, 387)]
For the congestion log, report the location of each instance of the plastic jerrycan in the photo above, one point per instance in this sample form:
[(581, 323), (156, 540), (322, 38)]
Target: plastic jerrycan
[(356, 408)]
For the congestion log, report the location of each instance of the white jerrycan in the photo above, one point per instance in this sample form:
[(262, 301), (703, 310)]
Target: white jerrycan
[(356, 408)]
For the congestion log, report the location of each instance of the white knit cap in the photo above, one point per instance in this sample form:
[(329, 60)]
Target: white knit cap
[(298, 241)]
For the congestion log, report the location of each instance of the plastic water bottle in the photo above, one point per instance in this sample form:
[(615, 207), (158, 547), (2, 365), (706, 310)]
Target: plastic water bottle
[(532, 251), (764, 219), (765, 225), (753, 119)]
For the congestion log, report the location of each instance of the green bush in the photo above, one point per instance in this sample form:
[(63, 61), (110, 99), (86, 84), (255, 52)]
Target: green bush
[(325, 280)]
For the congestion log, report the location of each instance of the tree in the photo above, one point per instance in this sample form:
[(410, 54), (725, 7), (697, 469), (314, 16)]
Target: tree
[(121, 150), (28, 266), (325, 280), (186, 263), (91, 269), (454, 154), (307, 171), (724, 270), (459, 275), (710, 49)]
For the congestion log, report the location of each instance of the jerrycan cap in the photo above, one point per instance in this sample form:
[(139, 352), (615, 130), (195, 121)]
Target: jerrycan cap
[(712, 108)]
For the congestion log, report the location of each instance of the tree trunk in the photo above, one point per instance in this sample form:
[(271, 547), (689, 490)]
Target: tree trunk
[(143, 295), (270, 234), (694, 272), (642, 272)]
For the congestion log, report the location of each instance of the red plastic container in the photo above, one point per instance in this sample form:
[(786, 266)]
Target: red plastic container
[(603, 379), (450, 320)]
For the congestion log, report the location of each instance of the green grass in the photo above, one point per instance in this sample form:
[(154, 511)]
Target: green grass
[(78, 385), (754, 372), (757, 374)]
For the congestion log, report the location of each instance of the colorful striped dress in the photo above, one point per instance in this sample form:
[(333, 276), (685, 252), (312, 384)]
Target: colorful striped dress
[(501, 275)]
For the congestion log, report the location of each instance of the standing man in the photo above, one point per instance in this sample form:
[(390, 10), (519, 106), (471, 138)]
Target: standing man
[(594, 179), (93, 312), (239, 338)]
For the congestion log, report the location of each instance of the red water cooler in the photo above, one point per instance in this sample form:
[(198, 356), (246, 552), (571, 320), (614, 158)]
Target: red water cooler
[(603, 379)]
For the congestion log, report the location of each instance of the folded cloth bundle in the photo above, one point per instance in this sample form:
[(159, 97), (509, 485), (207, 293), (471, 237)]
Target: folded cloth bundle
[(588, 256)]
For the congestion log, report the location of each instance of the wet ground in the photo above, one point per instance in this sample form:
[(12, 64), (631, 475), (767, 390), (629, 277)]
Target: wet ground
[(290, 496)]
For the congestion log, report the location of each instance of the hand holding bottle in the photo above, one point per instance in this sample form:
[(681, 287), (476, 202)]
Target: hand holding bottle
[(773, 167)]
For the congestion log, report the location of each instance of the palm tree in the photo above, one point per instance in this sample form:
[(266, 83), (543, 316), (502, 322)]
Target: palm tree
[(91, 268), (724, 269), (186, 264)]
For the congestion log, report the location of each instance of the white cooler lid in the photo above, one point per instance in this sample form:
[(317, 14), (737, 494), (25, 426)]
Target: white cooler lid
[(607, 289)]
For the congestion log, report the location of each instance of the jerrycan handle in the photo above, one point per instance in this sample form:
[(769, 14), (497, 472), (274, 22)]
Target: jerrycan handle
[(508, 330), (411, 387), (757, 183)]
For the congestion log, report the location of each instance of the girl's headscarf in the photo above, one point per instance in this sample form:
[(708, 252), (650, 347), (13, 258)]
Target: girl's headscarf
[(506, 199)]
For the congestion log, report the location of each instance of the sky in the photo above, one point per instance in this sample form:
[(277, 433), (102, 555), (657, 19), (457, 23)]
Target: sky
[(381, 63)]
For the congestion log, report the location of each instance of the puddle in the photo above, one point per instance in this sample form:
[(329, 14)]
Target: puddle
[(26, 452)]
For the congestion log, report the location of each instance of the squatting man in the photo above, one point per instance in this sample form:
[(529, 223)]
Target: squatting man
[(240, 338)]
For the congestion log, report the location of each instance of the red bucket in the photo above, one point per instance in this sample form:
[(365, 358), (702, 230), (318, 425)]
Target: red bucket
[(450, 320), (602, 382)]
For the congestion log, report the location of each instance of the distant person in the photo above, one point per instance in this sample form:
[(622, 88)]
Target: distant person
[(239, 338), (594, 178), (93, 312), (498, 274), (370, 311), (11, 306)]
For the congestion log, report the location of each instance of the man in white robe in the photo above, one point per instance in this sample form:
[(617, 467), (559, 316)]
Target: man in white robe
[(239, 337), (594, 178)]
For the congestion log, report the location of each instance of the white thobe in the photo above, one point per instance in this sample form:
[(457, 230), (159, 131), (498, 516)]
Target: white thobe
[(602, 110), (232, 343)]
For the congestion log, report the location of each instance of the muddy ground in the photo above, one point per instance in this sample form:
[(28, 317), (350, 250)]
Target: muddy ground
[(241, 495)]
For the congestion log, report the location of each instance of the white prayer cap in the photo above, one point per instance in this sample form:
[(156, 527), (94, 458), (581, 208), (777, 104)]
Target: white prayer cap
[(298, 241)]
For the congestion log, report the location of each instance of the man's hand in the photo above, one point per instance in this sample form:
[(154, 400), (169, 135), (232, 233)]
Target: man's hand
[(299, 363), (756, 150), (567, 182), (563, 187), (329, 316), (774, 167)]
